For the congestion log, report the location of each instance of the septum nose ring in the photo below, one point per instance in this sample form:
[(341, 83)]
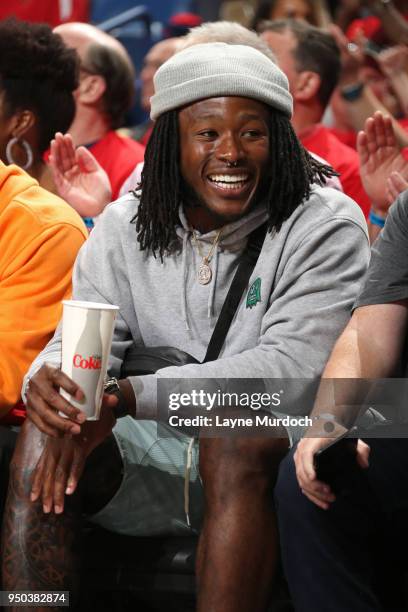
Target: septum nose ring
[(232, 164)]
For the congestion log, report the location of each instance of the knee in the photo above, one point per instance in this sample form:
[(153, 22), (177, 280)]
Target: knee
[(232, 465)]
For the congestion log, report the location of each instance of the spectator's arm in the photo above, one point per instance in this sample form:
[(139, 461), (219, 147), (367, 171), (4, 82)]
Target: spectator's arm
[(369, 348), (394, 63), (365, 106), (346, 12), (359, 100), (78, 177), (392, 21), (31, 289)]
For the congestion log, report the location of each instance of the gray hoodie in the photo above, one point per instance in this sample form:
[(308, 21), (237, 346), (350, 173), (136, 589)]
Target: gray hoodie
[(306, 279)]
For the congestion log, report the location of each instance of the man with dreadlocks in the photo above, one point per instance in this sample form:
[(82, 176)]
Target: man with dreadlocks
[(221, 161)]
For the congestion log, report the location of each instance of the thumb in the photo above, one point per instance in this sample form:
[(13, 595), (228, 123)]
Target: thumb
[(87, 161), (110, 400), (363, 453)]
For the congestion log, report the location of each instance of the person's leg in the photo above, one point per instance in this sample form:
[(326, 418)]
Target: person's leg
[(40, 551), (7, 444), (330, 557), (238, 547)]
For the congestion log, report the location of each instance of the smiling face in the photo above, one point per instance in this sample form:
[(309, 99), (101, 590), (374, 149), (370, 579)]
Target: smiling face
[(225, 159)]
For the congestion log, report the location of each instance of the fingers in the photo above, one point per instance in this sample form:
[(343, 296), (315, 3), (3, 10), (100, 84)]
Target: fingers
[(370, 132), (75, 473), (396, 184), (362, 147), (36, 486), (87, 161), (44, 401), (65, 152), (62, 474), (318, 492), (43, 479), (380, 130), (363, 454), (57, 473), (316, 500)]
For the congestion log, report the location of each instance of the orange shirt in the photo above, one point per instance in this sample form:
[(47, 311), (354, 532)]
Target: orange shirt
[(40, 236)]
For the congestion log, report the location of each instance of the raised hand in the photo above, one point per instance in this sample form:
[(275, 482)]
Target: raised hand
[(380, 156), (78, 177), (352, 55), (394, 60), (396, 184)]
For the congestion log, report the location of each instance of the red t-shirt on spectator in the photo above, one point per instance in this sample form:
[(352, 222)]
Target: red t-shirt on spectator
[(348, 137), (118, 156), (52, 12), (342, 158)]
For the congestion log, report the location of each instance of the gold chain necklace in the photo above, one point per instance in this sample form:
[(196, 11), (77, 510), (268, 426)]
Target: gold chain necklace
[(204, 271)]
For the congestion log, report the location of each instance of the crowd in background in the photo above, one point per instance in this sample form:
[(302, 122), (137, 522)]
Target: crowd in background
[(74, 119)]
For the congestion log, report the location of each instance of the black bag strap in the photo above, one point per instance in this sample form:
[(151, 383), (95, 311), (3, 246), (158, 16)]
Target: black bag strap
[(246, 265)]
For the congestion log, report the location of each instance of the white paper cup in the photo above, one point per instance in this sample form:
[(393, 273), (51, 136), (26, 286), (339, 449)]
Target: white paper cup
[(87, 330)]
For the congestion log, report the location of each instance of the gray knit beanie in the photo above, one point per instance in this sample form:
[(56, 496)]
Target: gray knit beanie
[(217, 69)]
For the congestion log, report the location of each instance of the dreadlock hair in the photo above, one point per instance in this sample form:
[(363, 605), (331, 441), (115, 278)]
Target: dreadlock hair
[(292, 172), (160, 187)]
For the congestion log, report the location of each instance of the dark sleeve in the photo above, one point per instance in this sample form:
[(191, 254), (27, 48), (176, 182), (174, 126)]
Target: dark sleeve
[(387, 276)]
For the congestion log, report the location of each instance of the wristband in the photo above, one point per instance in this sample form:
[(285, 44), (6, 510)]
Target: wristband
[(376, 219), (111, 387)]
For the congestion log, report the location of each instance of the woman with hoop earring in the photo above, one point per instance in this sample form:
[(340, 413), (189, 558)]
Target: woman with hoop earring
[(38, 75)]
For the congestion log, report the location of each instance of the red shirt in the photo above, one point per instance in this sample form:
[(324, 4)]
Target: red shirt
[(370, 27), (118, 156), (348, 137), (343, 159), (52, 12)]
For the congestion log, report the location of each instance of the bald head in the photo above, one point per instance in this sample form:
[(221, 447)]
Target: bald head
[(80, 36), (104, 57), (157, 55)]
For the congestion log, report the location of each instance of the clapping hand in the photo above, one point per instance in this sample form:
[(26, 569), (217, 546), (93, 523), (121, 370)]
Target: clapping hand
[(79, 179), (384, 170)]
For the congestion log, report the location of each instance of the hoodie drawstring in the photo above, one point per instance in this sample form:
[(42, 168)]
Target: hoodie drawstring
[(187, 472), (184, 281), (210, 305)]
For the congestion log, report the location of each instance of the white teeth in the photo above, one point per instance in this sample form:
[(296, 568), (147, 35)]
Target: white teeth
[(228, 186), (228, 178)]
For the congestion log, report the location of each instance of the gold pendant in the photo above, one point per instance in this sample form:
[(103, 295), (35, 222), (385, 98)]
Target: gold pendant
[(204, 274)]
